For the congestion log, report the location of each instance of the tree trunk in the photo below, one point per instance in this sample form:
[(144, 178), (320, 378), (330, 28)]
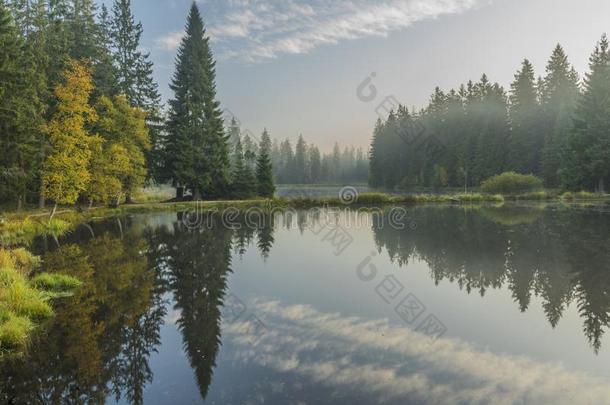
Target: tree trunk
[(179, 193), (601, 186), (54, 211), (41, 201), (128, 199), (118, 220), (19, 203), (90, 230), (196, 194)]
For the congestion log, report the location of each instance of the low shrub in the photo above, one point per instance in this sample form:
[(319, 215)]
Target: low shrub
[(511, 183)]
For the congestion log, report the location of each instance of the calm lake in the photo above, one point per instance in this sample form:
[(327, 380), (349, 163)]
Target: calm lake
[(428, 305)]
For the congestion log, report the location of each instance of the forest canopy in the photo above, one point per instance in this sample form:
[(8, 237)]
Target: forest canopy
[(554, 126)]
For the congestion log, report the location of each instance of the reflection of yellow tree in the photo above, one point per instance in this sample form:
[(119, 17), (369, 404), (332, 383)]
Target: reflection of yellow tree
[(81, 353), (79, 335)]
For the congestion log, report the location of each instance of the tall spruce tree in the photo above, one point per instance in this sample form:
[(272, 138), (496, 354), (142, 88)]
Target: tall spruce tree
[(559, 98), (19, 113), (243, 183), (134, 68), (315, 164), (525, 140), (134, 78), (105, 75), (264, 168), (197, 154), (300, 163), (587, 161), (84, 31), (286, 162)]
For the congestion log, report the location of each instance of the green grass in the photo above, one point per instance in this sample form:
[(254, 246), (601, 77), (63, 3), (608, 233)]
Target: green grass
[(21, 298), (542, 195), (381, 199), (18, 259), (56, 283), (14, 332), (23, 230), (25, 302), (583, 196)]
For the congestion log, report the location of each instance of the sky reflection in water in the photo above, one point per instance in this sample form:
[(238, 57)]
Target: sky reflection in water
[(272, 314)]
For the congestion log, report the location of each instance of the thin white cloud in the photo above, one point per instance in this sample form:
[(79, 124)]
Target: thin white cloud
[(262, 29), (392, 363), (169, 42)]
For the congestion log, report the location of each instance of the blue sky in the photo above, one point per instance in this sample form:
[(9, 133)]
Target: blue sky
[(295, 66)]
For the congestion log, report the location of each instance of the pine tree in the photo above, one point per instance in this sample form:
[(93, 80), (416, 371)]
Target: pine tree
[(286, 162), (264, 168), (336, 162), (197, 148), (300, 162), (134, 78), (84, 31), (58, 40), (250, 150), (560, 94), (105, 76), (587, 161), (490, 122), (526, 140), (243, 184), (19, 113), (134, 69), (315, 164)]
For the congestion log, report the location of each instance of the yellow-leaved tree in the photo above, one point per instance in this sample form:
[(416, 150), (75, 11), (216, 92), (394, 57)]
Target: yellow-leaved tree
[(108, 162), (126, 138), (66, 171)]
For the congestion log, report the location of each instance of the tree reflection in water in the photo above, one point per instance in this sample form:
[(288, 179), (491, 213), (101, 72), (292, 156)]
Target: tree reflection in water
[(559, 255), (99, 344)]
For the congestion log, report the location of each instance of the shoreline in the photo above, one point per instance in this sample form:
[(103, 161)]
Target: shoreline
[(363, 200)]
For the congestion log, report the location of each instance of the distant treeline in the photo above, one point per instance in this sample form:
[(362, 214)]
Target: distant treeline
[(556, 127), (303, 163)]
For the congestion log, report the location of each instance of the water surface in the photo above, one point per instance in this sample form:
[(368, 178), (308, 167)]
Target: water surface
[(458, 305)]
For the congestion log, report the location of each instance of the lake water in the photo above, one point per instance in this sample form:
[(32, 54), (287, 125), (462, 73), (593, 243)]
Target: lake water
[(432, 305)]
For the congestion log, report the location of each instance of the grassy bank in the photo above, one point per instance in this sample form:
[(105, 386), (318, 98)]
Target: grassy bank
[(25, 299), (21, 225)]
